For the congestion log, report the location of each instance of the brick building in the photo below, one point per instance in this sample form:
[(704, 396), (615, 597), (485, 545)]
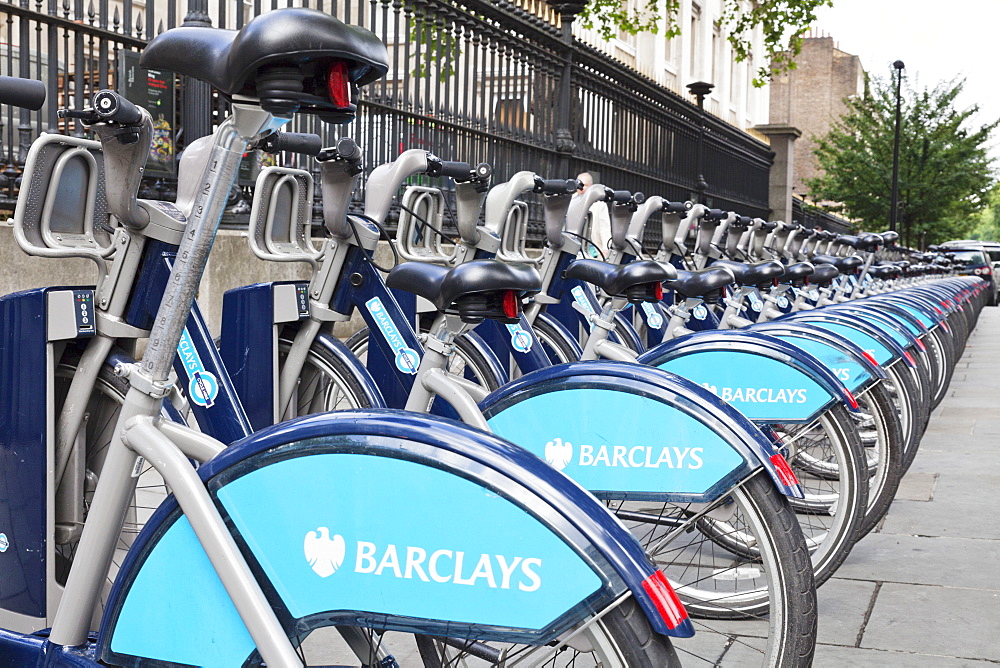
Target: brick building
[(811, 97)]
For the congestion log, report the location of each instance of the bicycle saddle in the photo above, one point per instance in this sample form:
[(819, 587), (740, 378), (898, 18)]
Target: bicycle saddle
[(869, 242), (890, 237), (848, 240), (702, 283), (846, 265), (472, 287), (287, 58), (824, 274), (797, 273), (617, 279), (753, 274)]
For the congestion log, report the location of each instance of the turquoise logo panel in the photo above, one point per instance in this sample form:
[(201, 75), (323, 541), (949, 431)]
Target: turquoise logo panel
[(924, 319), (203, 387), (843, 366), (870, 345), (892, 332), (656, 449), (382, 535), (763, 389), (407, 359), (175, 596)]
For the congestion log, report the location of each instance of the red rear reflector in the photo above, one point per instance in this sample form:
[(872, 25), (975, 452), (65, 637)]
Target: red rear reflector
[(868, 356), (851, 401), (909, 358), (336, 80), (667, 604), (939, 311), (785, 472), (945, 327), (658, 291), (920, 346), (511, 304)]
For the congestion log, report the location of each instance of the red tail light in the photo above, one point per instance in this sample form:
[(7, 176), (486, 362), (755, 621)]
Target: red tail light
[(658, 291), (339, 85), (511, 304), (667, 604), (785, 472)]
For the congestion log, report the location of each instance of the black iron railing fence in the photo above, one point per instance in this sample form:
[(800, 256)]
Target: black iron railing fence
[(475, 80)]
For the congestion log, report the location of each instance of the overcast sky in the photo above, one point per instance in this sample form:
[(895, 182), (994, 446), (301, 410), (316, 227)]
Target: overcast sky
[(936, 39)]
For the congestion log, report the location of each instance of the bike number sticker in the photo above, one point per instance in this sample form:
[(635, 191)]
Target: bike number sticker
[(653, 317), (407, 359), (203, 386), (581, 298), (520, 340)]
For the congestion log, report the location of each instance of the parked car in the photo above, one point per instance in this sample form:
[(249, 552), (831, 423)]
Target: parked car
[(976, 258)]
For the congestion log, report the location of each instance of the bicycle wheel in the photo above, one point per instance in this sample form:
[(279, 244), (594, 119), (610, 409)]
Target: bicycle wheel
[(741, 567), (325, 383), (882, 439), (554, 342), (619, 637), (829, 461), (466, 362), (101, 417)]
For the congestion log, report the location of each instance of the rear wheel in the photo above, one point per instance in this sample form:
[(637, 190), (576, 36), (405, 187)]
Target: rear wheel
[(621, 636), (741, 567), (324, 384)]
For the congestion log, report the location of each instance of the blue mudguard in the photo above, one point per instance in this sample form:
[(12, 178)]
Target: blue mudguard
[(848, 362), (372, 518), (630, 431), (867, 336), (767, 379)]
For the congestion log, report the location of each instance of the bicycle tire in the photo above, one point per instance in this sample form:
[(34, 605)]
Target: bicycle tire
[(881, 437), (776, 577), (829, 461), (554, 342)]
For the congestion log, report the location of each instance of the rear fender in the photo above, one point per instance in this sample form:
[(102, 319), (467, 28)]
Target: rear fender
[(370, 518), (767, 379), (847, 361), (630, 431), (867, 336)]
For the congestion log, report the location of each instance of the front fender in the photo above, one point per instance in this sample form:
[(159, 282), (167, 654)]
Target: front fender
[(867, 336), (343, 354), (630, 431), (415, 505), (767, 379)]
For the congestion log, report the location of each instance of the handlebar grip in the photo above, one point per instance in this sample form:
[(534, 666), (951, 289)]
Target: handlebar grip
[(742, 221), (621, 197), (293, 142), (451, 168), (713, 215), (348, 148), (677, 207), (556, 186), (27, 93), (110, 106)]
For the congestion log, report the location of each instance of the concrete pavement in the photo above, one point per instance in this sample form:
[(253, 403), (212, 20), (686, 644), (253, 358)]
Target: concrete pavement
[(923, 590)]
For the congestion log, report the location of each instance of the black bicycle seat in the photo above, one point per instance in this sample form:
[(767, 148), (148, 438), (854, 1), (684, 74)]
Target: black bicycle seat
[(890, 237), (463, 287), (824, 274), (846, 265), (797, 273), (283, 55), (703, 283), (753, 274), (617, 279), (848, 240)]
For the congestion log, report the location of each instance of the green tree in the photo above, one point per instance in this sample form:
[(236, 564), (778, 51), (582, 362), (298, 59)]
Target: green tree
[(944, 170), (782, 22), (986, 223)]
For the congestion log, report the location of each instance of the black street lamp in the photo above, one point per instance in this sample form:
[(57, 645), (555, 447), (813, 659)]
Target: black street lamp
[(700, 89), (894, 200)]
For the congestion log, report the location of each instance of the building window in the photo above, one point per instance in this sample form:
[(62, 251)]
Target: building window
[(695, 40)]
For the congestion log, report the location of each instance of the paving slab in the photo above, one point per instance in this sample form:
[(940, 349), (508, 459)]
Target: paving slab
[(851, 657), (943, 621), (922, 518), (917, 487), (842, 608), (909, 559)]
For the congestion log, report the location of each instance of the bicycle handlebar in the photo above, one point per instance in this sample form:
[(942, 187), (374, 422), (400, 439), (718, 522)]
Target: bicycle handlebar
[(293, 142), (109, 106), (27, 93), (676, 207), (556, 186)]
